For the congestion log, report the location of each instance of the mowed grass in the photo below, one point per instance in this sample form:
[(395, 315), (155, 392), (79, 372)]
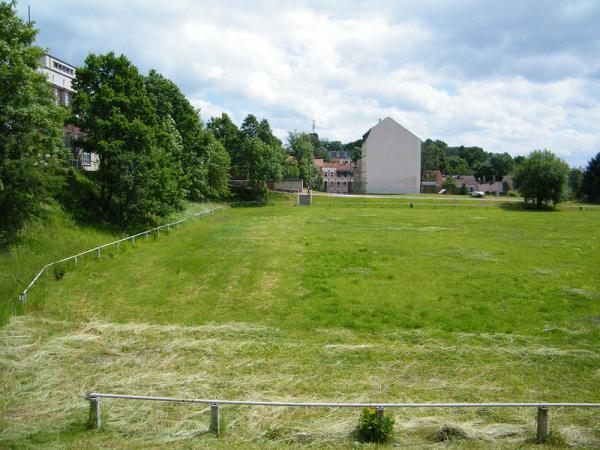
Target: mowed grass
[(335, 302)]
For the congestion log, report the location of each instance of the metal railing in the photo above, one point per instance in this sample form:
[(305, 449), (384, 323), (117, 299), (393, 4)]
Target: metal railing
[(542, 407), (98, 250)]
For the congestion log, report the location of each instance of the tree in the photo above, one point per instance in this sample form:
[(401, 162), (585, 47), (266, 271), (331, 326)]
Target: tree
[(204, 160), (31, 126), (433, 156), (502, 164), (457, 166), (575, 183), (138, 149), (591, 180), (473, 155), (449, 183), (485, 170), (302, 147), (542, 178)]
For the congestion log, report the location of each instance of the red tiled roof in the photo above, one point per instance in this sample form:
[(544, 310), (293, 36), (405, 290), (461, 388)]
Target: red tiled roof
[(332, 165)]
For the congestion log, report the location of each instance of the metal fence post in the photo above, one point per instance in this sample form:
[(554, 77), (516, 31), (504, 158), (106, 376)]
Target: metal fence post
[(98, 253), (542, 424), (379, 413), (76, 260), (214, 418), (22, 297), (95, 419), (118, 243)]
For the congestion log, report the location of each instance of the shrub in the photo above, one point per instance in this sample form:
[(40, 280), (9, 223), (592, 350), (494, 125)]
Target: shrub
[(373, 429), (512, 194)]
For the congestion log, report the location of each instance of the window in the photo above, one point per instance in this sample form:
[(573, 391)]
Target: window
[(86, 159), (67, 98)]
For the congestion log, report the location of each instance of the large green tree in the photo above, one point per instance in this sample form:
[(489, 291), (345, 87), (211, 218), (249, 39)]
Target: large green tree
[(204, 160), (139, 151), (590, 186), (256, 153), (31, 125), (301, 147), (433, 156), (542, 178)]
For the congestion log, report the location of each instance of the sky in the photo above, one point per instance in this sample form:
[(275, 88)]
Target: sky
[(509, 76)]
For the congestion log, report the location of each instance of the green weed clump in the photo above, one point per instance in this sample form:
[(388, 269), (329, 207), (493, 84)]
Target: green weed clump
[(372, 428)]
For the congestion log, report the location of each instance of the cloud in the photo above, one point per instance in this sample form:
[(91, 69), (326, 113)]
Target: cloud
[(508, 76)]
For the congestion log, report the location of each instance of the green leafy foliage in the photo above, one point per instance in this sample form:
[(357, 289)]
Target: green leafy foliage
[(31, 126), (140, 151), (374, 429), (302, 148), (590, 186), (204, 160), (256, 154), (449, 183), (575, 184), (542, 178)]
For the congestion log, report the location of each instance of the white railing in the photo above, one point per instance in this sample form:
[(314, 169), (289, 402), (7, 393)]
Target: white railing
[(98, 250), (542, 407)]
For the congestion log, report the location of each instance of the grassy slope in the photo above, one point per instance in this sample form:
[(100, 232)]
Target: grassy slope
[(43, 241), (334, 302)]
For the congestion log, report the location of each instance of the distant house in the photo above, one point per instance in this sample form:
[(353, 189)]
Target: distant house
[(60, 75), (391, 161), (337, 176), (471, 184)]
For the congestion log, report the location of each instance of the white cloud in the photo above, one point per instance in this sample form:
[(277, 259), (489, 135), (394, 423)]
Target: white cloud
[(507, 79)]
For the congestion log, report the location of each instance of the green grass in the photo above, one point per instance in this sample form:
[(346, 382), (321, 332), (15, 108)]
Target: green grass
[(341, 301)]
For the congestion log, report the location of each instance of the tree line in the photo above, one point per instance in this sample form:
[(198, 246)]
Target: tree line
[(155, 151)]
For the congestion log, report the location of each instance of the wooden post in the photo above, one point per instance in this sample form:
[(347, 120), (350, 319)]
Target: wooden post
[(22, 297), (98, 253), (132, 240), (214, 418), (117, 247), (542, 424), (76, 260)]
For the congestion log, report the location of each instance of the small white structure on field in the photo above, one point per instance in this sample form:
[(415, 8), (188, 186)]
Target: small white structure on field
[(391, 161)]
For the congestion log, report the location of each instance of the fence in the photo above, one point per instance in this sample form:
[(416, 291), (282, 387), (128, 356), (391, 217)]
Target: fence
[(98, 250), (542, 408)]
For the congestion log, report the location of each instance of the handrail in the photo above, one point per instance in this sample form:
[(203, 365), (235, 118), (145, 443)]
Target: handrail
[(542, 407), (91, 395), (23, 295)]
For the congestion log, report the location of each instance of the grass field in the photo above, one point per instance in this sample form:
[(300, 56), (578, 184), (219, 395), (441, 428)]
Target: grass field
[(342, 301)]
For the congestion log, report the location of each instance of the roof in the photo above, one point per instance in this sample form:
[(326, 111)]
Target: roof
[(332, 165), (388, 119)]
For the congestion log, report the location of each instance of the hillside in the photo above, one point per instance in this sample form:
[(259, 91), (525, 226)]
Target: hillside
[(342, 301)]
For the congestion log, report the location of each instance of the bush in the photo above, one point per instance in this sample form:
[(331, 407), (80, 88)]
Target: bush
[(372, 429), (512, 194), (248, 194)]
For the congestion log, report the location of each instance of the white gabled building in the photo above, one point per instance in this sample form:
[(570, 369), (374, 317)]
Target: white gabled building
[(391, 161)]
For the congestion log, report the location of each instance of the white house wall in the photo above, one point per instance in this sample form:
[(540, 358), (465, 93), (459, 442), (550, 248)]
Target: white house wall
[(391, 160)]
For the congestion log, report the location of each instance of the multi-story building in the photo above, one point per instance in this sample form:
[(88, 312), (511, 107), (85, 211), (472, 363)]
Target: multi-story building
[(391, 161), (61, 75), (337, 176)]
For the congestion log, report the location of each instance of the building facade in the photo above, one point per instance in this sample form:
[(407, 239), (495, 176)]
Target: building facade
[(391, 161), (60, 75), (337, 176)]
